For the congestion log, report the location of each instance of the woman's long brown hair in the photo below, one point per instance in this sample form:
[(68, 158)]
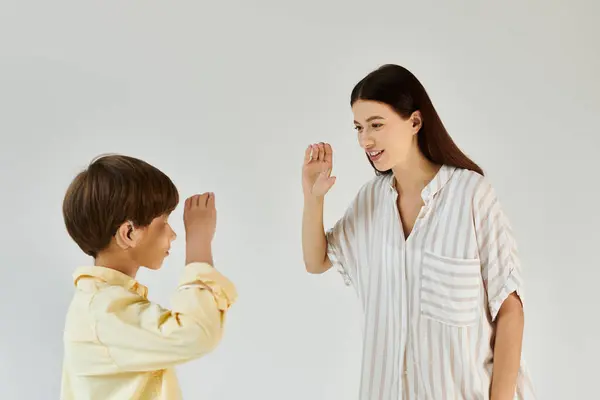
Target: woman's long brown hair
[(400, 89)]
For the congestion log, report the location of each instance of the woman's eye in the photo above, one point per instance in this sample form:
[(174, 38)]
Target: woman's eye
[(357, 128), (376, 126)]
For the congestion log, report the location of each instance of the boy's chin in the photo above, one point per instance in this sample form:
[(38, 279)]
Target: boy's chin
[(155, 266)]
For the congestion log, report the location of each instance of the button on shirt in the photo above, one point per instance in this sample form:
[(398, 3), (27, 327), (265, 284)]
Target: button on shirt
[(430, 300), (120, 346)]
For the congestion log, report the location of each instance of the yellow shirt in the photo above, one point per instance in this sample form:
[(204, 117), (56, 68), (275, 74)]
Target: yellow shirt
[(118, 345)]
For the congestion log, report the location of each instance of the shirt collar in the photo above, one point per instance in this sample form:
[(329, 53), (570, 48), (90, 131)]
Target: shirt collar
[(434, 186), (112, 277)]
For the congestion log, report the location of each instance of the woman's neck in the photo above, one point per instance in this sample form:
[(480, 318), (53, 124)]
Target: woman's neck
[(414, 174)]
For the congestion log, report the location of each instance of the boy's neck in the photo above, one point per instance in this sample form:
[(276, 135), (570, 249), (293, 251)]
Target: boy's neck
[(117, 263)]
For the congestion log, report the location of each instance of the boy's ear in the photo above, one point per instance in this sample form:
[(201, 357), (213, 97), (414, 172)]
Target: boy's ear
[(127, 235)]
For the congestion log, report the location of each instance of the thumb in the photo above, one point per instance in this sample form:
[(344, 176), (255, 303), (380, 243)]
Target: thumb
[(331, 181)]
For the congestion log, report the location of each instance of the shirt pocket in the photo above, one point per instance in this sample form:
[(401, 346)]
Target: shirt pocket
[(450, 289)]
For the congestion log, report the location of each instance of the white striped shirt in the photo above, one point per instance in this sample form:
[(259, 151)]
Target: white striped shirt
[(429, 302)]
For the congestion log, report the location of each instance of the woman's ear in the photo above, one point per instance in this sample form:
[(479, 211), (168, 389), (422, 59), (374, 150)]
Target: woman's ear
[(416, 120), (127, 235)]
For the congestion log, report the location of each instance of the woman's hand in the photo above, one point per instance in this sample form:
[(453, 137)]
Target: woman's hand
[(316, 170)]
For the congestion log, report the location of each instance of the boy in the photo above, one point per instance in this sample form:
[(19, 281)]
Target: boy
[(118, 344)]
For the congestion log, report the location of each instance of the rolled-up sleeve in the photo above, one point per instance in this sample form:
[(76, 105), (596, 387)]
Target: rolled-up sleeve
[(204, 275), (501, 267), (342, 246), (140, 335)]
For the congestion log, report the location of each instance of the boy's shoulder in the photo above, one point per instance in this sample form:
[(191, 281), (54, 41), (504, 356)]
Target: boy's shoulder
[(106, 290)]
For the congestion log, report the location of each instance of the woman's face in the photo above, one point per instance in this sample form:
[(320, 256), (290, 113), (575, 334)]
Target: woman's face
[(387, 138)]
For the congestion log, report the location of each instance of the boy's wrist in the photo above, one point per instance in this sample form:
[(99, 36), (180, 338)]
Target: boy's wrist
[(198, 251), (199, 258)]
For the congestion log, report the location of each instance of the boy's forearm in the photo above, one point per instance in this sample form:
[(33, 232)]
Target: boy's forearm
[(314, 242), (203, 319), (507, 349), (198, 250)]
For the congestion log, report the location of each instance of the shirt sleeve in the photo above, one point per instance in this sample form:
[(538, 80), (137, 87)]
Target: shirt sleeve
[(501, 268), (143, 336), (341, 245)]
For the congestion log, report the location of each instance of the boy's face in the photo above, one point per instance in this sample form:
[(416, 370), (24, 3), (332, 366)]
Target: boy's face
[(155, 243)]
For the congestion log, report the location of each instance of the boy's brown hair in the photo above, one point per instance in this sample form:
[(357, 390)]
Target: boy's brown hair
[(115, 189)]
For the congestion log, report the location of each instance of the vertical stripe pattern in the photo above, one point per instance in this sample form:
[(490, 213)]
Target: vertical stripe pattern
[(429, 300)]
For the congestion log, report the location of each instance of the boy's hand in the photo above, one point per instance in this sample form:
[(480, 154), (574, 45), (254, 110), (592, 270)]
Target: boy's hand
[(200, 221), (316, 170)]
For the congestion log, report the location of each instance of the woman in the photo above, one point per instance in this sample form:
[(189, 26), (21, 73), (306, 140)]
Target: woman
[(428, 250)]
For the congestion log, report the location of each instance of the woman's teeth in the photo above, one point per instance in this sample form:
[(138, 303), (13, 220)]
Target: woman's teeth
[(375, 155)]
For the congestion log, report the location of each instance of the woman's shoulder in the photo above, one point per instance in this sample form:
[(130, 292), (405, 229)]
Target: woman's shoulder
[(473, 183)]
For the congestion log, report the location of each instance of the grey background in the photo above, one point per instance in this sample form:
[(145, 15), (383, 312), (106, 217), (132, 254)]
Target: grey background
[(225, 97)]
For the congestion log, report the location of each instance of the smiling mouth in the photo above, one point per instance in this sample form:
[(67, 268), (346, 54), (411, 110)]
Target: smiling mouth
[(375, 155)]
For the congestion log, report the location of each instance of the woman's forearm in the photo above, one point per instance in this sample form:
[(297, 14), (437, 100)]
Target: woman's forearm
[(314, 242), (507, 349)]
